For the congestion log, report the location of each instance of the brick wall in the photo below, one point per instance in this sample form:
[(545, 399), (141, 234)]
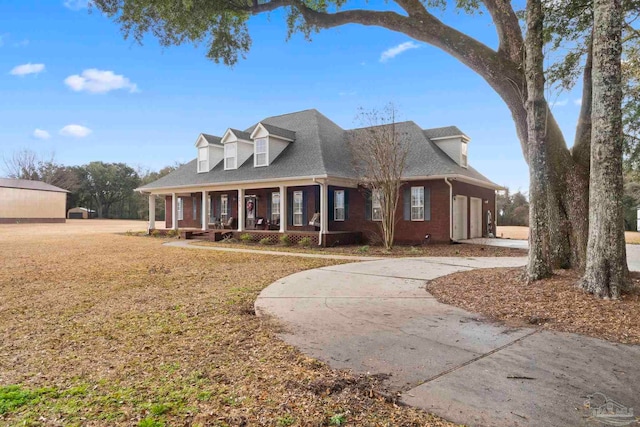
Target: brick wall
[(188, 220), (485, 194)]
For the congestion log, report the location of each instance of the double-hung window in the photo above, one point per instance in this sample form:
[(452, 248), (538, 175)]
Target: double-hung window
[(275, 207), (180, 206), (203, 159), (297, 208), (224, 207), (463, 156), (417, 203), (338, 205), (261, 152), (376, 205), (230, 155)]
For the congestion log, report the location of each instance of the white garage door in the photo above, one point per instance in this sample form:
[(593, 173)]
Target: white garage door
[(460, 217), (476, 218)]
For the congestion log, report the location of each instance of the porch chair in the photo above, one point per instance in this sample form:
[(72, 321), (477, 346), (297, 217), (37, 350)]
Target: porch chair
[(228, 224), (315, 220)]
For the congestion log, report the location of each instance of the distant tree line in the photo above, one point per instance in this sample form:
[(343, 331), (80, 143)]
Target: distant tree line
[(106, 188), (513, 209)]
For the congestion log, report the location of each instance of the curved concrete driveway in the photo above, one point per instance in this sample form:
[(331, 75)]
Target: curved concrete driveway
[(377, 317)]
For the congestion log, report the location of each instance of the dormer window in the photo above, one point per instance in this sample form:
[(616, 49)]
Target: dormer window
[(261, 156), (230, 155), (463, 155), (203, 159)]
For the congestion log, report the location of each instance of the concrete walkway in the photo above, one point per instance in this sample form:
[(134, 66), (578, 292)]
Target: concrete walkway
[(187, 244), (377, 317)]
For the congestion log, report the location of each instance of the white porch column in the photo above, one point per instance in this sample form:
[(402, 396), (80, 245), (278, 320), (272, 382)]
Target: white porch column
[(324, 211), (174, 211), (205, 216), (283, 208), (240, 209), (152, 211)]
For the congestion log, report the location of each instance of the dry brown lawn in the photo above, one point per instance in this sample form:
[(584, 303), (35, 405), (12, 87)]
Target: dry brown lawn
[(107, 329), (555, 303), (522, 233)]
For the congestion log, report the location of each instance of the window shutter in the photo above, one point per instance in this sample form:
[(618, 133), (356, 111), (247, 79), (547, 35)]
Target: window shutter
[(289, 208), (346, 204), (331, 204), (427, 204), (305, 217), (367, 205), (269, 204), (407, 203), (217, 205)]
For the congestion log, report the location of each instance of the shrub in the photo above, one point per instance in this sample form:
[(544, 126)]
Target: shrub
[(173, 233), (363, 249), (285, 240), (246, 237), (155, 233), (305, 241), (265, 241), (338, 420)]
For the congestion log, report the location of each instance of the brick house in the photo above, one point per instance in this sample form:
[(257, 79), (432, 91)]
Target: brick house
[(294, 174)]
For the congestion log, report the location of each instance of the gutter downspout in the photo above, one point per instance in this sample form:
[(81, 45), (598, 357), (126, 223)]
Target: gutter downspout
[(450, 208), (321, 185)]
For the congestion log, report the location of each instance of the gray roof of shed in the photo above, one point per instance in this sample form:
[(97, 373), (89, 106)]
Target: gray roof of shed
[(25, 184), (320, 148)]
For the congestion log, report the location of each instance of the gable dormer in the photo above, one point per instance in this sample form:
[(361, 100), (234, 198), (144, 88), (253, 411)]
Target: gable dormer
[(210, 152), (268, 142), (238, 147), (453, 142)]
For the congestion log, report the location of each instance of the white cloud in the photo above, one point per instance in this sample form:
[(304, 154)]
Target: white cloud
[(77, 4), (561, 103), (24, 69), (41, 134), (348, 93), (99, 81), (578, 101), (76, 131), (397, 50)]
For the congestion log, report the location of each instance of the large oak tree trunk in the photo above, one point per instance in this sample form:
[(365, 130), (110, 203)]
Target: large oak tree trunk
[(539, 265), (606, 273)]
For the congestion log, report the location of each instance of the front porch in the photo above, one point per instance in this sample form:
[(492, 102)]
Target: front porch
[(299, 210)]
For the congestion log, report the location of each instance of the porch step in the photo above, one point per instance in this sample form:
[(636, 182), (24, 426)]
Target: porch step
[(210, 235)]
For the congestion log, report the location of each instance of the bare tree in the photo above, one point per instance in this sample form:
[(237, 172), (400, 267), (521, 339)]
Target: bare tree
[(22, 164), (379, 153)]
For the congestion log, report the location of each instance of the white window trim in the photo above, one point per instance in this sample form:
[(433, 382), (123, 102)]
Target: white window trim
[(375, 196), (464, 155), (417, 206), (224, 202), (235, 156), (180, 208), (194, 208), (336, 208), (206, 159), (300, 214), (275, 212), (266, 152)]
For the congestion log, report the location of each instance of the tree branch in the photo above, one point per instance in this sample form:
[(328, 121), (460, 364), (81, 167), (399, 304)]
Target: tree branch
[(508, 27)]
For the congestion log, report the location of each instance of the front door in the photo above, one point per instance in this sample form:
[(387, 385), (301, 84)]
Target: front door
[(250, 208)]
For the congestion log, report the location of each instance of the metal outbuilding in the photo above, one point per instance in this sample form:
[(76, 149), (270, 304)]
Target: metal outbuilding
[(24, 201)]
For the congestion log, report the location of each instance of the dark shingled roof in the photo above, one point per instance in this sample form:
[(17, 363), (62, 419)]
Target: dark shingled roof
[(26, 184), (320, 148), (212, 139), (276, 131), (241, 135), (443, 132)]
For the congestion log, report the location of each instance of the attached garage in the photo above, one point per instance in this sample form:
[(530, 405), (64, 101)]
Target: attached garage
[(23, 201)]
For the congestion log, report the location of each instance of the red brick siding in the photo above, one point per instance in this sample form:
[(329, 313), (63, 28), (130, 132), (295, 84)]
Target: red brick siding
[(187, 206)]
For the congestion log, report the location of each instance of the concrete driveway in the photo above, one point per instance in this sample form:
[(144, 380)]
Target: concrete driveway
[(377, 317), (633, 251)]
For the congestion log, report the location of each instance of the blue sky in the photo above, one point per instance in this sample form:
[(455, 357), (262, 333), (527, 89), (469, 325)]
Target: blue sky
[(71, 75)]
